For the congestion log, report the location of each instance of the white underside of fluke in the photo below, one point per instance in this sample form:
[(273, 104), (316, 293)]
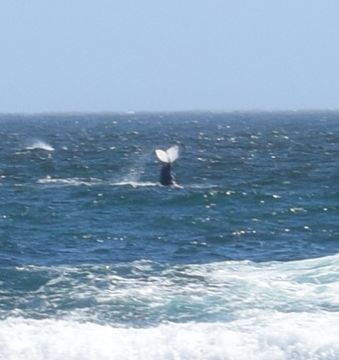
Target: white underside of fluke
[(169, 155)]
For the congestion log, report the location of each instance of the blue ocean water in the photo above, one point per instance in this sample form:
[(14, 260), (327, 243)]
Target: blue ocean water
[(99, 261)]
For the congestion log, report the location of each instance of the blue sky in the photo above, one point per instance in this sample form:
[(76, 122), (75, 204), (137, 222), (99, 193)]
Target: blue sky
[(107, 55)]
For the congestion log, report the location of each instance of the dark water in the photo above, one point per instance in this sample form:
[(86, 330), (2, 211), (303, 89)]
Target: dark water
[(88, 235)]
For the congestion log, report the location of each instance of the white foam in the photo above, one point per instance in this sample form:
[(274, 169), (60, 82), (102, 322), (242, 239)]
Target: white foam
[(229, 290), (275, 336), (200, 186), (39, 144), (94, 181), (69, 181), (135, 184)]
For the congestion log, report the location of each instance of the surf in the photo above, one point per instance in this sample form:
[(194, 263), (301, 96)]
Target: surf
[(275, 336)]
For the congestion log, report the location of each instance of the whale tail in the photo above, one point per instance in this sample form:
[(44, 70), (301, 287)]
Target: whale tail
[(168, 156)]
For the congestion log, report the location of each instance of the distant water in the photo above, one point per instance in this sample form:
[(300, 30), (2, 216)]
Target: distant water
[(98, 261)]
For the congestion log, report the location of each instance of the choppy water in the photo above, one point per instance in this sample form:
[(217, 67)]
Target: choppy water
[(98, 261)]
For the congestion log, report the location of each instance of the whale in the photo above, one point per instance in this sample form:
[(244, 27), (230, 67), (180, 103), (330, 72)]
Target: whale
[(167, 158)]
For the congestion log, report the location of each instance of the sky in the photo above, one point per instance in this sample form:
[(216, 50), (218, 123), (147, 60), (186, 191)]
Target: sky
[(168, 55)]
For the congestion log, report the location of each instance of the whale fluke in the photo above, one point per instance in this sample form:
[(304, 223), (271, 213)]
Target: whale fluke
[(168, 156)]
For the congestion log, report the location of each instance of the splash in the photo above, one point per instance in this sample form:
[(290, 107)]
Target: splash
[(39, 144), (133, 174)]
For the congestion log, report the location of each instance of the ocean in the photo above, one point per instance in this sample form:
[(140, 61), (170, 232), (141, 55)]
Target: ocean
[(99, 261)]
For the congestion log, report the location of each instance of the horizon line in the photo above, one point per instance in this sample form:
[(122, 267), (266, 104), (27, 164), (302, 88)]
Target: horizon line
[(135, 112)]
